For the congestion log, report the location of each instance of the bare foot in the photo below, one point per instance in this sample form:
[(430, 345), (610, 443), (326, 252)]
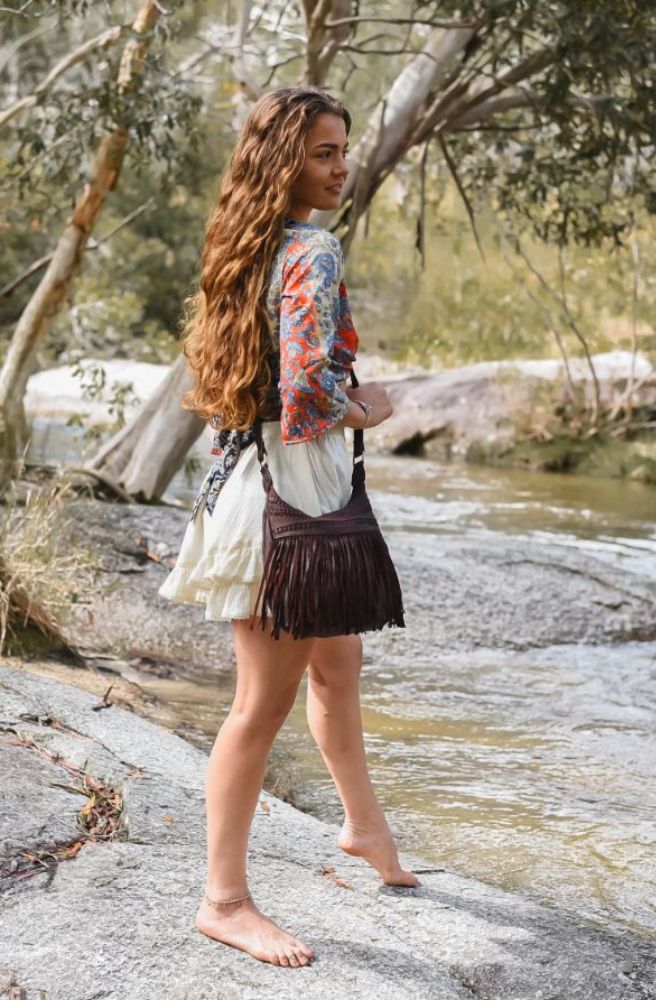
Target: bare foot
[(244, 926), (376, 845)]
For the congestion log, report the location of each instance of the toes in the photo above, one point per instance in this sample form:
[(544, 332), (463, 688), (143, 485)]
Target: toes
[(293, 959), (407, 880), (283, 958), (303, 949)]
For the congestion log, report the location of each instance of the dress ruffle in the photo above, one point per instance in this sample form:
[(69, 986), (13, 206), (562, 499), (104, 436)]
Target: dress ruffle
[(225, 580), (222, 600)]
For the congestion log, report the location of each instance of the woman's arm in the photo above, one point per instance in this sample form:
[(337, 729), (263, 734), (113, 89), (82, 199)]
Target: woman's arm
[(313, 355), (376, 396)]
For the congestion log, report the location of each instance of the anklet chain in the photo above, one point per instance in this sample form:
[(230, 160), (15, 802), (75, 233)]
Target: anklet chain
[(224, 902)]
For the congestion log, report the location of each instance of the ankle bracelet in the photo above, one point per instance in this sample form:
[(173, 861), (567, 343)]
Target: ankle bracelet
[(224, 902)]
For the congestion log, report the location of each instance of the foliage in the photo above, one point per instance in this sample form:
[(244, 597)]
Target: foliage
[(460, 308), (568, 165), (48, 149), (50, 146), (93, 381), (41, 574), (574, 159)]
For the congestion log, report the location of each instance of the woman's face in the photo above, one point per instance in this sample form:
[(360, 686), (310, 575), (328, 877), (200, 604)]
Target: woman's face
[(319, 184)]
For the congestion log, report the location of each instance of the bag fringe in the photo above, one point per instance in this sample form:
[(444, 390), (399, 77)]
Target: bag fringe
[(298, 605)]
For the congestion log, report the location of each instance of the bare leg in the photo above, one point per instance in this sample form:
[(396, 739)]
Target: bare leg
[(268, 674), (335, 720)]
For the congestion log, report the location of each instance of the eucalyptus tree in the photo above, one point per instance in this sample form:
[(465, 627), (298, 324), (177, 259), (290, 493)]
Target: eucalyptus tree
[(90, 104), (544, 110)]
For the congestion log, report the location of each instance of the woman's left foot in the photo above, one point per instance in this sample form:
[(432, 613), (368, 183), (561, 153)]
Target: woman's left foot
[(376, 845)]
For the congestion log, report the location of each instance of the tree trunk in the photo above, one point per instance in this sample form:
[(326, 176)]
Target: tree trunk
[(145, 454), (390, 129), (38, 315)]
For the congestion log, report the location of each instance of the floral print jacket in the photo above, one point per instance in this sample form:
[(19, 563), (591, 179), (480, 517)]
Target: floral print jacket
[(313, 349)]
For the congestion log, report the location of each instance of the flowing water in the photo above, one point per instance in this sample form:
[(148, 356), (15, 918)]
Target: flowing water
[(530, 770)]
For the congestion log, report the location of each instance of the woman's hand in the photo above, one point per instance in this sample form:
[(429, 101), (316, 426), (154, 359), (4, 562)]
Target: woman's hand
[(376, 395)]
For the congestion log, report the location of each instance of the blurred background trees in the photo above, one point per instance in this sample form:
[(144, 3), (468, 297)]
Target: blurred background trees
[(500, 196)]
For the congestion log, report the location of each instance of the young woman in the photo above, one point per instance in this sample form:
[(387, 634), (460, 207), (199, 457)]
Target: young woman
[(270, 332)]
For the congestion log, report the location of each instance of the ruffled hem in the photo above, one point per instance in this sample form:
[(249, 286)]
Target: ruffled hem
[(223, 600), (242, 562)]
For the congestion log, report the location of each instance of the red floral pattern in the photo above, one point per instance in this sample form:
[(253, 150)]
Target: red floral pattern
[(314, 339), (316, 335)]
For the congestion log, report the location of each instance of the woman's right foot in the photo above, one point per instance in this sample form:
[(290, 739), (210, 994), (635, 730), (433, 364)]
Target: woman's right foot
[(376, 845), (242, 925)]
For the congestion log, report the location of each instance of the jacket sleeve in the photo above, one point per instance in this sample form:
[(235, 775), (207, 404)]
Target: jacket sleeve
[(311, 362)]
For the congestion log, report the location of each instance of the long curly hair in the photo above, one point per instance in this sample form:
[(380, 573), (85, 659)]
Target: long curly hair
[(226, 331)]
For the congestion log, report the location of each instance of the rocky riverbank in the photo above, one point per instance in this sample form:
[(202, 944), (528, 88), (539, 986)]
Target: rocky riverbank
[(476, 413), (502, 413), (103, 863), (102, 825), (461, 593)]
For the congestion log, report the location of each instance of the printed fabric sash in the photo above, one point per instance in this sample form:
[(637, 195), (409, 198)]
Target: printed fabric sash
[(231, 444)]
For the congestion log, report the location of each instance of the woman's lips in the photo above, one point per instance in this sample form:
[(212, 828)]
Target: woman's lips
[(336, 187)]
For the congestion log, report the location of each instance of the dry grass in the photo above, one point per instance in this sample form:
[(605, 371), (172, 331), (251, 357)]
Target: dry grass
[(42, 572)]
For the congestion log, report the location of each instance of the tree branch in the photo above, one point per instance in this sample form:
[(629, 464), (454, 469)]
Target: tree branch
[(552, 326), (488, 109), (91, 245), (323, 42), (402, 20), (450, 162), (238, 60), (78, 55), (389, 129), (465, 96), (24, 40)]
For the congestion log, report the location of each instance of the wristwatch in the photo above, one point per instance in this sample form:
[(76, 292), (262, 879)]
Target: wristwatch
[(367, 408)]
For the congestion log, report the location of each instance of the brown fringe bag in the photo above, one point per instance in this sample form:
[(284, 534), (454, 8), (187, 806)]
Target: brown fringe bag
[(327, 575)]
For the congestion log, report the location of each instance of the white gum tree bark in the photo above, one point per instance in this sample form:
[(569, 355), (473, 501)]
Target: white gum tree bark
[(47, 300)]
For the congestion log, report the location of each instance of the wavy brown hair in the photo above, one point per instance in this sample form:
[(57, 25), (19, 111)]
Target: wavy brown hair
[(226, 333)]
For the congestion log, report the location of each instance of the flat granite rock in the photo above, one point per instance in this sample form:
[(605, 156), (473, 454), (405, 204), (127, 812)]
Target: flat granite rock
[(32, 803), (459, 593), (117, 920)]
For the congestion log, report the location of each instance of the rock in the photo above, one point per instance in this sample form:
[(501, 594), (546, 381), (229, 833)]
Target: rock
[(25, 817), (437, 413), (460, 593), (643, 473), (441, 414), (115, 920), (57, 392)]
